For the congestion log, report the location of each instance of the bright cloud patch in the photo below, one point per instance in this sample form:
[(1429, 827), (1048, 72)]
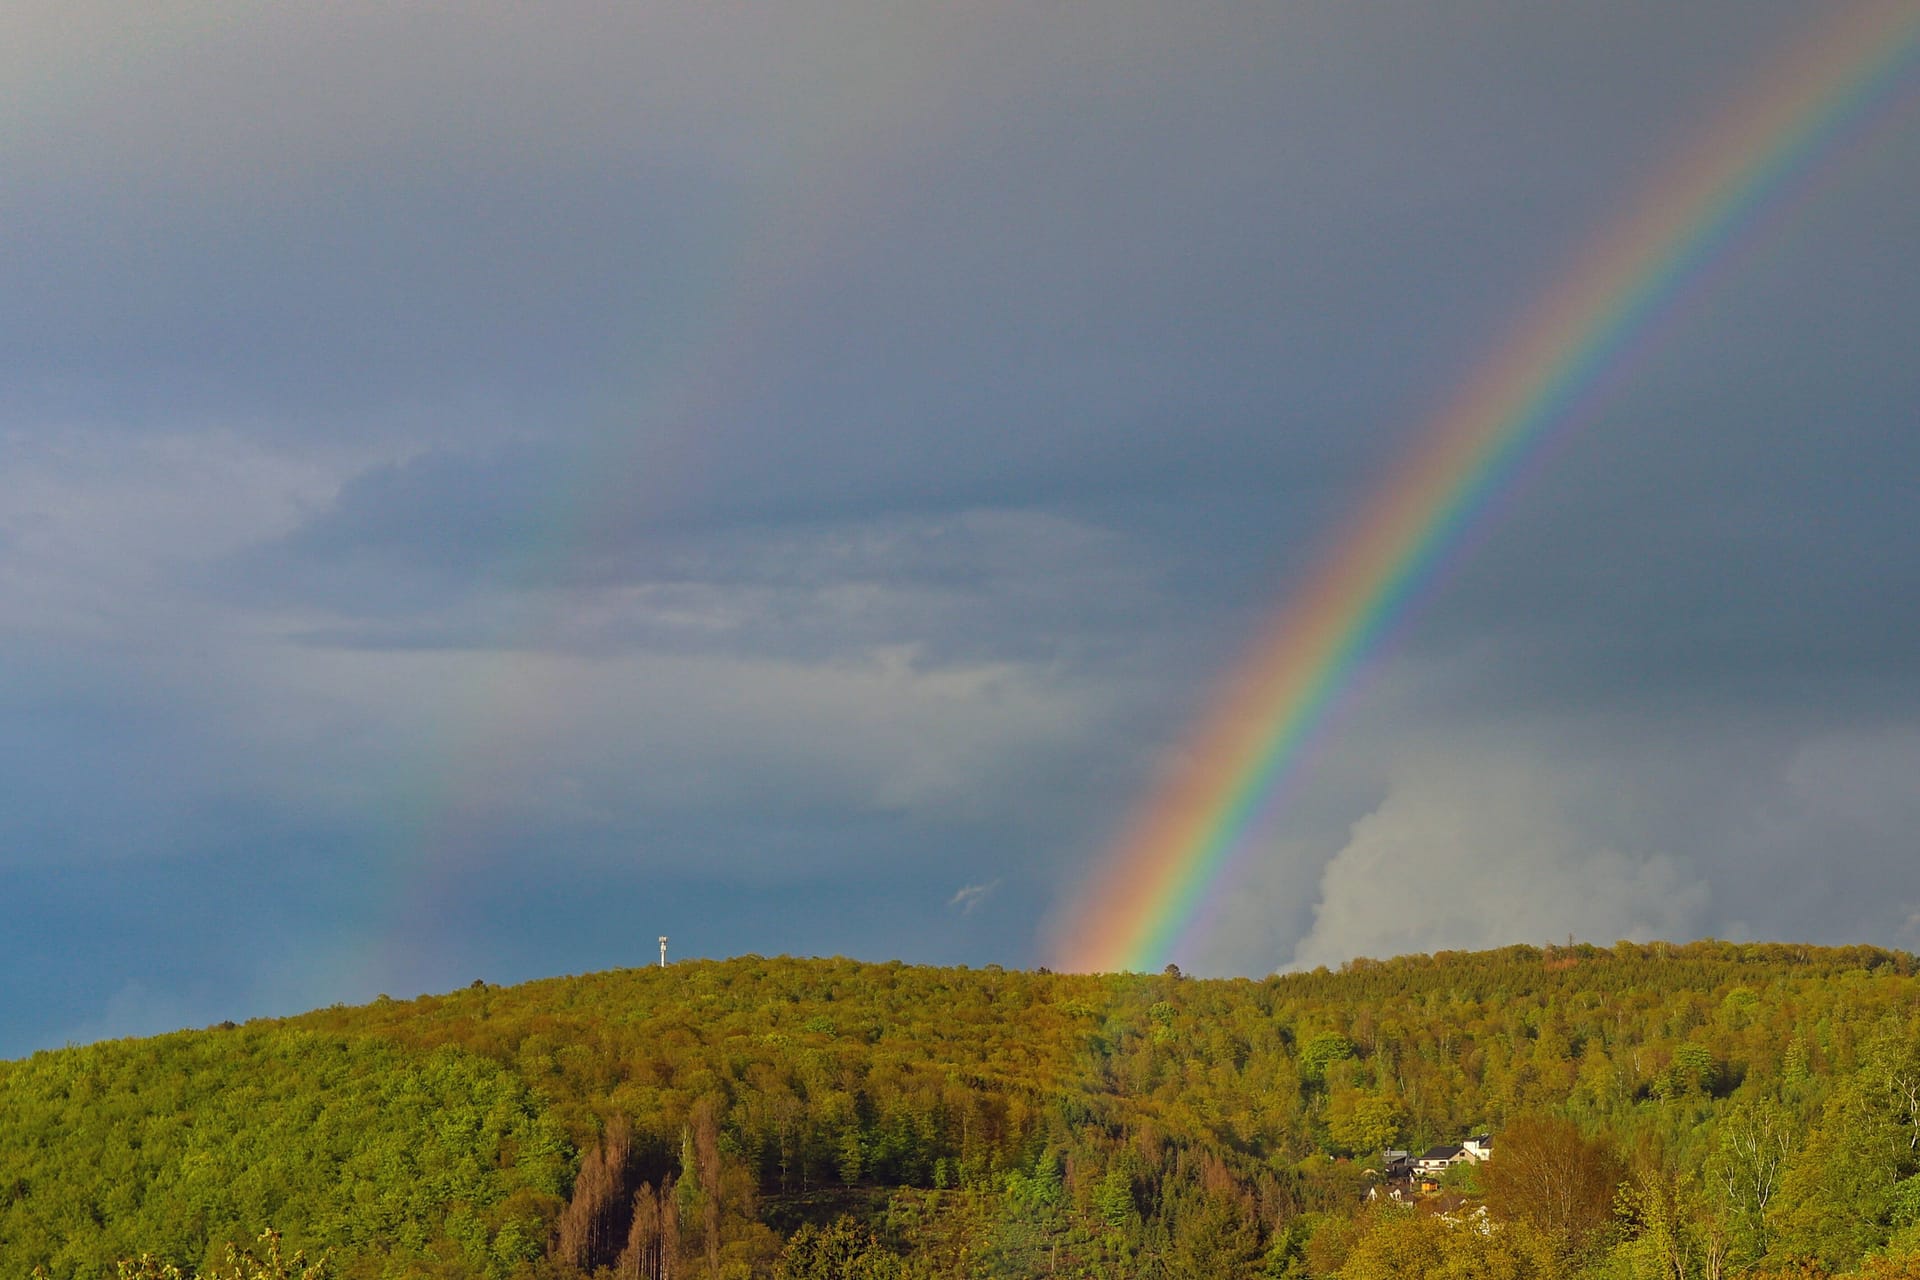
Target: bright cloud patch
[(1460, 859)]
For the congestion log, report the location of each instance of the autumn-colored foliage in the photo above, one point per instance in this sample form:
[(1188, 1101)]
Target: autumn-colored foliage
[(1556, 1179), (713, 1118)]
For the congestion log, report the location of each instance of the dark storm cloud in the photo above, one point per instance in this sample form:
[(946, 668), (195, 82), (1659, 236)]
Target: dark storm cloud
[(1101, 221), (821, 454), (1738, 525)]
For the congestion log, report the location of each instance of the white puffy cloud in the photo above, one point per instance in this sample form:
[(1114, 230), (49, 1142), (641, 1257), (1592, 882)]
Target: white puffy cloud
[(1484, 855), (1473, 834)]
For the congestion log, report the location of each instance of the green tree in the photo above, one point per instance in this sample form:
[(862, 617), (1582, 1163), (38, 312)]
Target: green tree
[(1320, 1052), (1362, 1122), (851, 1158), (1215, 1240), (1673, 1236), (842, 1250), (1396, 1244), (240, 1264), (1756, 1140), (1113, 1198), (1836, 1194)]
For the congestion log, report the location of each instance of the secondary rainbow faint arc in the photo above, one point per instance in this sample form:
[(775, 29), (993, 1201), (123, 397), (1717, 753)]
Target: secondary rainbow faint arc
[(484, 738), (1156, 881)]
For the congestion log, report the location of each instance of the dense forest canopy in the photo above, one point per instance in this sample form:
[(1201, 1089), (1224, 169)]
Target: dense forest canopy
[(1676, 1111)]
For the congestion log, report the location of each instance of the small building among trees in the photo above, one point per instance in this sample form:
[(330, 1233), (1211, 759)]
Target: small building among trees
[(1436, 1160)]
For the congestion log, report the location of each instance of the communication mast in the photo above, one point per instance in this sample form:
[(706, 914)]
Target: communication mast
[(663, 951)]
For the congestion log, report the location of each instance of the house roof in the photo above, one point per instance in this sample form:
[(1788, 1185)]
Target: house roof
[(1441, 1153)]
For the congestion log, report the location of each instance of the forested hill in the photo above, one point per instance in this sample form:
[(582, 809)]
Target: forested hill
[(1724, 1108)]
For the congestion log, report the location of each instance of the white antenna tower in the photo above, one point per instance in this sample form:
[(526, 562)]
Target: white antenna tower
[(663, 951)]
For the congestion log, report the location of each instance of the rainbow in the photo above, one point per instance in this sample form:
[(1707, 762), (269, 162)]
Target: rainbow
[(1567, 351), (508, 698)]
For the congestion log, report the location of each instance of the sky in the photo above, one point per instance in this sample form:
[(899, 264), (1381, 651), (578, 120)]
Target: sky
[(482, 487)]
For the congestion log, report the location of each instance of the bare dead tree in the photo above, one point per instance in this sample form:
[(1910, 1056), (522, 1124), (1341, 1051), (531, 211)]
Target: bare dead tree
[(644, 1257), (593, 1228)]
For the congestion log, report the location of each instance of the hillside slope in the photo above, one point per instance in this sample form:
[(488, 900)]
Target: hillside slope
[(825, 1117)]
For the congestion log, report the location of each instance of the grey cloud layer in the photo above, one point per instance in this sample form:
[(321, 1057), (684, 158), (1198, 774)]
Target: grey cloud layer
[(716, 460)]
